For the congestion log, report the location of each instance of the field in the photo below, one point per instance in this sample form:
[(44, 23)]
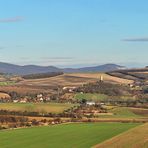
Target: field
[(4, 95), (38, 107), (90, 97), (24, 90), (63, 80), (123, 112), (106, 77), (7, 83), (134, 138), (74, 79), (127, 112), (132, 74), (50, 85), (83, 135)]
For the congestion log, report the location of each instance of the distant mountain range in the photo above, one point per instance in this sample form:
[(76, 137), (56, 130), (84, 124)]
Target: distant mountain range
[(34, 69)]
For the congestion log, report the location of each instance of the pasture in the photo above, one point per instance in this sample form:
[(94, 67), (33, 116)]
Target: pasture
[(90, 97), (127, 112), (123, 112), (36, 107), (79, 135), (7, 83)]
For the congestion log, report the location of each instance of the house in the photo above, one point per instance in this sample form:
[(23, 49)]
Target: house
[(90, 103), (23, 101), (41, 99), (15, 101), (69, 89), (39, 95), (131, 85)]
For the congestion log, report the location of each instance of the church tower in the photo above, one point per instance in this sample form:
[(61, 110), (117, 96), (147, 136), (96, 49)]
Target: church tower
[(101, 78)]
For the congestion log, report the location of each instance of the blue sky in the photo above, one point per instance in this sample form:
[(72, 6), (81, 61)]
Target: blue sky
[(74, 32)]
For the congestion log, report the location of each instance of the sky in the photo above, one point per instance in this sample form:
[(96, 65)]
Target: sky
[(74, 33)]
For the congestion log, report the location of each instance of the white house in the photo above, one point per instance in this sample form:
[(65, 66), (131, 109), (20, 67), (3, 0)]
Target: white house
[(15, 101), (90, 103)]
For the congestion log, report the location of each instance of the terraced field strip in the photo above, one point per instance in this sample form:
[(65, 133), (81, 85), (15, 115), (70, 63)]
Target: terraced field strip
[(73, 79), (127, 112), (124, 120), (4, 95), (106, 77), (36, 107), (79, 135), (134, 138)]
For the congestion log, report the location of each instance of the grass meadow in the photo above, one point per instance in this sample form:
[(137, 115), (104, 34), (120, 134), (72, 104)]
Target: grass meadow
[(78, 135), (36, 107), (90, 96)]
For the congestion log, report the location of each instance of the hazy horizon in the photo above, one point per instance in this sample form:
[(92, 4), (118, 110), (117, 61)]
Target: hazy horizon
[(74, 33), (128, 65)]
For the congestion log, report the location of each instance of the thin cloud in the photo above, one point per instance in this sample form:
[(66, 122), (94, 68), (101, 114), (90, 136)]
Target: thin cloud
[(11, 20), (57, 58), (136, 39), (24, 58)]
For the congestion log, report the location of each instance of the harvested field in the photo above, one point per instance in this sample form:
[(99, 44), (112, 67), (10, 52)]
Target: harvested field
[(132, 74), (140, 111), (50, 85), (146, 72), (122, 76), (106, 77), (74, 79), (63, 80), (4, 95), (120, 120), (24, 90), (134, 138)]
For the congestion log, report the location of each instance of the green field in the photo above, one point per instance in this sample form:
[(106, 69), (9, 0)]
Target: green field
[(123, 112), (90, 97), (79, 135), (6, 83), (36, 107)]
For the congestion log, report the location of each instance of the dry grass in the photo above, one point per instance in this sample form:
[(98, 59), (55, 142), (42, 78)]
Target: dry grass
[(134, 138), (120, 119), (73, 79), (4, 95), (49, 85), (140, 111), (36, 107), (23, 90), (146, 72), (106, 77), (56, 81)]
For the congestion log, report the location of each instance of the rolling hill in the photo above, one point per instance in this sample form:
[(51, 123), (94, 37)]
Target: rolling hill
[(132, 74), (34, 69)]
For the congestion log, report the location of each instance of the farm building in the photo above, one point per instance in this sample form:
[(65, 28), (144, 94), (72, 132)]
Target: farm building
[(69, 89), (90, 103)]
